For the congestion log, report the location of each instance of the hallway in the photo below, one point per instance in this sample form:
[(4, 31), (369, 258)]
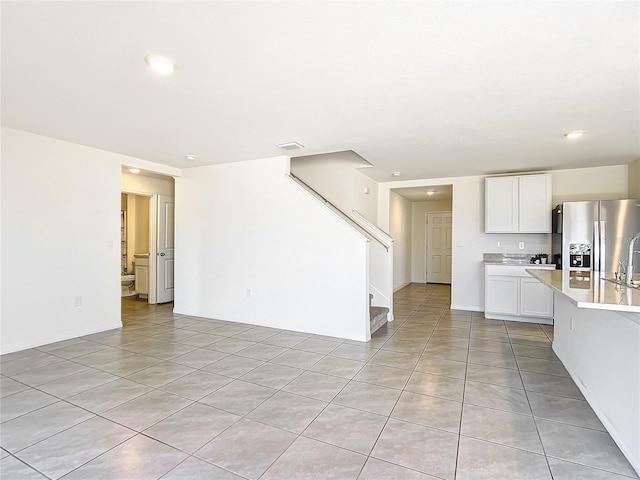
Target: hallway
[(435, 394)]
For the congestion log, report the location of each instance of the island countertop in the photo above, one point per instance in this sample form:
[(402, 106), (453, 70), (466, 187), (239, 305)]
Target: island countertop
[(588, 290)]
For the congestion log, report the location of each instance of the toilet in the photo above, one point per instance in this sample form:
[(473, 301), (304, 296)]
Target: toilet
[(127, 284)]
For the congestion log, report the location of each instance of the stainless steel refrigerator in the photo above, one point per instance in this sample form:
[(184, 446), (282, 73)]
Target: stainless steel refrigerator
[(595, 235)]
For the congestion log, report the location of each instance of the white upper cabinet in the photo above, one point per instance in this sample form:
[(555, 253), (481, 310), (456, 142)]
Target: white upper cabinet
[(501, 205), (518, 204), (534, 203)]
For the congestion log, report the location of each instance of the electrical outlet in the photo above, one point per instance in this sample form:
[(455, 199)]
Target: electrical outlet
[(521, 245), (78, 302), (499, 244)]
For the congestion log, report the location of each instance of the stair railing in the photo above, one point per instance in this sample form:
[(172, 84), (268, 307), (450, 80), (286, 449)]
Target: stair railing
[(374, 230), (342, 213)]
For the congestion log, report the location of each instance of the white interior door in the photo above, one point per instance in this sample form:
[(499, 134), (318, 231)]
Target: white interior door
[(165, 251), (439, 247)]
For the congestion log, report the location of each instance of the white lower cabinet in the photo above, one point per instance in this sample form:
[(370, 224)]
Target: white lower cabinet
[(501, 294), (536, 300), (512, 294), (142, 276)]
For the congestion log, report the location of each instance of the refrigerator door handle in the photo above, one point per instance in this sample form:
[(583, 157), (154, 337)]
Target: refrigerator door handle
[(603, 249), (595, 266)]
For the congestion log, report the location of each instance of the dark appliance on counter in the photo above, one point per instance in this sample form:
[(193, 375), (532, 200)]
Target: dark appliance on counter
[(594, 235)]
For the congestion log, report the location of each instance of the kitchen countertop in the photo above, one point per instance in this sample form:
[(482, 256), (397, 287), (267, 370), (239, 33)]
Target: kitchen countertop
[(517, 264), (588, 290), (519, 259)]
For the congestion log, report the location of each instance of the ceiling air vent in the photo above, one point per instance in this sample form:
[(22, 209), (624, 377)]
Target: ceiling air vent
[(290, 146)]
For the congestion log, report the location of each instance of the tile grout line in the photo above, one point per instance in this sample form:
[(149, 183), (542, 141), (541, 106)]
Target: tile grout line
[(406, 318), (544, 451), (464, 390)]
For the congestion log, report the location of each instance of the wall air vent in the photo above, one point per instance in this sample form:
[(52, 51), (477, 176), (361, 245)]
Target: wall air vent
[(290, 146)]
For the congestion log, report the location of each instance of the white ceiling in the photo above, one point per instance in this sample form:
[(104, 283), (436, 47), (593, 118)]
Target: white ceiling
[(430, 89), (419, 194)]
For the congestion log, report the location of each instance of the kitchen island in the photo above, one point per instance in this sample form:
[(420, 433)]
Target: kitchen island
[(597, 338)]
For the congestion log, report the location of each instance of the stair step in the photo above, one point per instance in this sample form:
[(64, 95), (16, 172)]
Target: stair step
[(378, 316)]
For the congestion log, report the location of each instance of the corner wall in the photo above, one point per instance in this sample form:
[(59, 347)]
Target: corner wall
[(252, 246), (60, 240)]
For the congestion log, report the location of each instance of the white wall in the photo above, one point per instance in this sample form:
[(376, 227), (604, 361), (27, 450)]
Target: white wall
[(336, 177), (252, 246), (365, 203), (418, 235), (600, 350), (469, 239), (60, 239), (597, 183), (400, 230), (140, 183)]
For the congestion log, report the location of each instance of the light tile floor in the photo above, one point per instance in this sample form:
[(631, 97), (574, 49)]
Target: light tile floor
[(435, 394)]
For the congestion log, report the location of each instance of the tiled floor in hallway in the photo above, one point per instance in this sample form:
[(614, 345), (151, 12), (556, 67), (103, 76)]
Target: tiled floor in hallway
[(435, 394)]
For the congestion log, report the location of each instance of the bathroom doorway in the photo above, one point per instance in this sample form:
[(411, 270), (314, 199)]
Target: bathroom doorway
[(134, 245), (147, 200)]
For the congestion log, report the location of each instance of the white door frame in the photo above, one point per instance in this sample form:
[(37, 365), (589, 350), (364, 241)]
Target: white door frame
[(153, 249), (426, 241), (153, 240)]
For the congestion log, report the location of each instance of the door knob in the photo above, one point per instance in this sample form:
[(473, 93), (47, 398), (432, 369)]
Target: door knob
[(161, 254)]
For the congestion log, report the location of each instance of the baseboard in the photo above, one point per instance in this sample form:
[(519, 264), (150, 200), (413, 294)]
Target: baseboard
[(515, 318), (626, 451), (467, 308), (25, 346), (258, 323), (401, 287)]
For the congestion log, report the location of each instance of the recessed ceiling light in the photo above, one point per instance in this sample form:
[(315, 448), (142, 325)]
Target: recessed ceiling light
[(290, 146), (395, 174), (191, 158), (159, 64), (430, 192), (574, 134), (134, 170)]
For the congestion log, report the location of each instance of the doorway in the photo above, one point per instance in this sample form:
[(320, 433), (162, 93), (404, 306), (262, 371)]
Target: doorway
[(150, 251), (438, 247), (408, 210), (134, 244)]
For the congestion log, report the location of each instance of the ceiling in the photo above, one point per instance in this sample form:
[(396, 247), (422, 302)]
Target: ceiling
[(430, 89), (419, 194)]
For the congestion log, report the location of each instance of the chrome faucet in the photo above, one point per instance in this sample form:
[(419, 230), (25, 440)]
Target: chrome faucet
[(620, 271), (629, 273)]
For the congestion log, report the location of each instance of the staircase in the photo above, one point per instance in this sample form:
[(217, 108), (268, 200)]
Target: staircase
[(377, 315)]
